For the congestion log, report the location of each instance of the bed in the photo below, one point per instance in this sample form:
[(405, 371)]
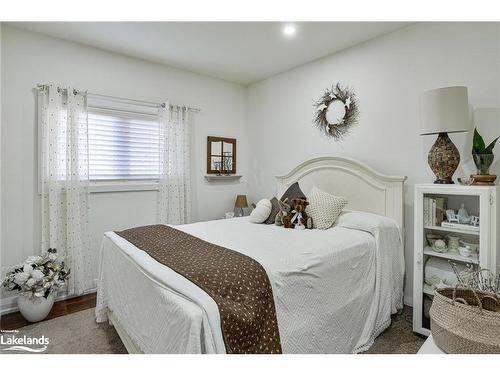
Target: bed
[(334, 290)]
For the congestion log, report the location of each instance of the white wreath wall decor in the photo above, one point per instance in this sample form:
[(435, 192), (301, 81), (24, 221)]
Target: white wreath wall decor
[(336, 111)]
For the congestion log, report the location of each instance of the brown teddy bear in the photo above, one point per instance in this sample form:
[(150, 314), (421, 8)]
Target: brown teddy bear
[(298, 216)]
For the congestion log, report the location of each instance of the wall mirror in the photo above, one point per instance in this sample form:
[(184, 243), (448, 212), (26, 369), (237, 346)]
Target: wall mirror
[(221, 155)]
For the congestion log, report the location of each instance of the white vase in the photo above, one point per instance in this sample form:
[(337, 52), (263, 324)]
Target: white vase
[(34, 309)]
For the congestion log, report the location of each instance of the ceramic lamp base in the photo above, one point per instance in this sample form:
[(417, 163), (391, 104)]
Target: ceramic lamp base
[(444, 181), (443, 159)]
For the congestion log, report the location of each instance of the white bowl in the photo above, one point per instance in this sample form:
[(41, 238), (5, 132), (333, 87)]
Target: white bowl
[(464, 252), (471, 246)]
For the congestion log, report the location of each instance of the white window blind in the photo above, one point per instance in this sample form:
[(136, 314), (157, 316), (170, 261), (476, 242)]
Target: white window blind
[(123, 145)]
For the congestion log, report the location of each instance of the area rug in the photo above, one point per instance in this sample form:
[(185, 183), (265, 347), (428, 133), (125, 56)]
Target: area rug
[(78, 333)]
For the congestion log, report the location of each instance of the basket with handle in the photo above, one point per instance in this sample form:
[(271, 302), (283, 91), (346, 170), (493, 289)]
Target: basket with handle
[(465, 320)]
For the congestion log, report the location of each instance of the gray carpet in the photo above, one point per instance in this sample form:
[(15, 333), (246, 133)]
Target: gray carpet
[(78, 333), (399, 337)]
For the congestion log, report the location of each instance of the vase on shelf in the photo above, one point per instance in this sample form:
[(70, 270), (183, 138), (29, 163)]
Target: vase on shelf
[(483, 163), (35, 309)]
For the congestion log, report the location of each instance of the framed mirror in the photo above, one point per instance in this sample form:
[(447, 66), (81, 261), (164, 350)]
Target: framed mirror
[(221, 155)]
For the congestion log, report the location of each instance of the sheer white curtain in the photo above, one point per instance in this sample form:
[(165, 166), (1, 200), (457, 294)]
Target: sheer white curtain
[(174, 199), (64, 179)]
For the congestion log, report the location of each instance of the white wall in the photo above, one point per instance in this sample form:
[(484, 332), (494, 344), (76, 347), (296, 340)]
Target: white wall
[(388, 75), (30, 58)]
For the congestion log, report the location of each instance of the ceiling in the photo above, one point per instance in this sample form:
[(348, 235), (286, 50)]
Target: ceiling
[(241, 52)]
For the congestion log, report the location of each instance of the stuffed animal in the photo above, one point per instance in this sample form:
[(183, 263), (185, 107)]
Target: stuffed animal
[(300, 219), (283, 212)]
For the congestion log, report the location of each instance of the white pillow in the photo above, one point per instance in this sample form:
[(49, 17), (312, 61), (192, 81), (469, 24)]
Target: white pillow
[(261, 212), (324, 208)]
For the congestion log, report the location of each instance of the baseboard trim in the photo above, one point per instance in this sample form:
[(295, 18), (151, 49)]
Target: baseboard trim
[(9, 304)]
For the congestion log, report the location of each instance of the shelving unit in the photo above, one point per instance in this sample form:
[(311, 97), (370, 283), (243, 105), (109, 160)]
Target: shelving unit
[(480, 201)]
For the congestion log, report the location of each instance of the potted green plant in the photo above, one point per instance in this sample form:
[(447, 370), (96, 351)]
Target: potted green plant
[(482, 154)]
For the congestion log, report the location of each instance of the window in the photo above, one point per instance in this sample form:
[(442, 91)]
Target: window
[(123, 145)]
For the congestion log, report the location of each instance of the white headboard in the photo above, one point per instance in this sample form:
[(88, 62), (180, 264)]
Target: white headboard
[(365, 189)]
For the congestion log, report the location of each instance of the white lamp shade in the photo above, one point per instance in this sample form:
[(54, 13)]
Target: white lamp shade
[(445, 110)]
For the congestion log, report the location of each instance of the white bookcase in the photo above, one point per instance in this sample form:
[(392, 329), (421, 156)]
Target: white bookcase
[(479, 201)]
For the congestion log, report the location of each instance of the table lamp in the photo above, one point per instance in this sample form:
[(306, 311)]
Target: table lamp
[(241, 202), (444, 110)]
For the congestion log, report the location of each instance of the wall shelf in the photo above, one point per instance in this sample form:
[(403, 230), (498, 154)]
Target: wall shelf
[(231, 177)]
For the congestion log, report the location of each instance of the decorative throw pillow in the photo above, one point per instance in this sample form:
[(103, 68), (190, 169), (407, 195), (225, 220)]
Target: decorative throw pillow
[(292, 192), (274, 211), (261, 212), (324, 208)]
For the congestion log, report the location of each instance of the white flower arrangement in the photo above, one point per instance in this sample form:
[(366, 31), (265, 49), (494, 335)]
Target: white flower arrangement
[(38, 276)]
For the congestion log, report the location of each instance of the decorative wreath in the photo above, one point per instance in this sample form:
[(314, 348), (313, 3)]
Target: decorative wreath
[(336, 111)]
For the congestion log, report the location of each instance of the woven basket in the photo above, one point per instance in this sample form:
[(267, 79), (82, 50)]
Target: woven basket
[(465, 321)]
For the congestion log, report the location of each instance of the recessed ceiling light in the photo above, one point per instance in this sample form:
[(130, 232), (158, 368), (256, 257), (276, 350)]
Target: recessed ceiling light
[(289, 30)]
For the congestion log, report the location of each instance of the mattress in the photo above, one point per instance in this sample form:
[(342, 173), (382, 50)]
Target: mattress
[(334, 290)]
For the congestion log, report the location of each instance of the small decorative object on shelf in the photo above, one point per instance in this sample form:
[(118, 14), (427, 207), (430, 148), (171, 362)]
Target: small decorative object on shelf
[(453, 243), (227, 163), (440, 246), (464, 252), (241, 203), (463, 215), (37, 280), (461, 220), (474, 220), (452, 216), (473, 247), (465, 181), (221, 156), (444, 111), (336, 112), (483, 158), (431, 238)]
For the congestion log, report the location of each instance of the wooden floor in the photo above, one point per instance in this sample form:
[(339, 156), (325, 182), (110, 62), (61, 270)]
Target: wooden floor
[(69, 306)]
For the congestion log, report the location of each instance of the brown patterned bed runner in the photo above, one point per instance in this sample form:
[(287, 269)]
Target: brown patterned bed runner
[(237, 283)]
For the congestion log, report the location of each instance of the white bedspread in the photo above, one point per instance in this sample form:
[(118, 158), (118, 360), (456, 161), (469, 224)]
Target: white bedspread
[(334, 290)]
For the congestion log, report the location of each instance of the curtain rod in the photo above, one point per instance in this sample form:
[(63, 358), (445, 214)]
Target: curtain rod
[(123, 100)]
